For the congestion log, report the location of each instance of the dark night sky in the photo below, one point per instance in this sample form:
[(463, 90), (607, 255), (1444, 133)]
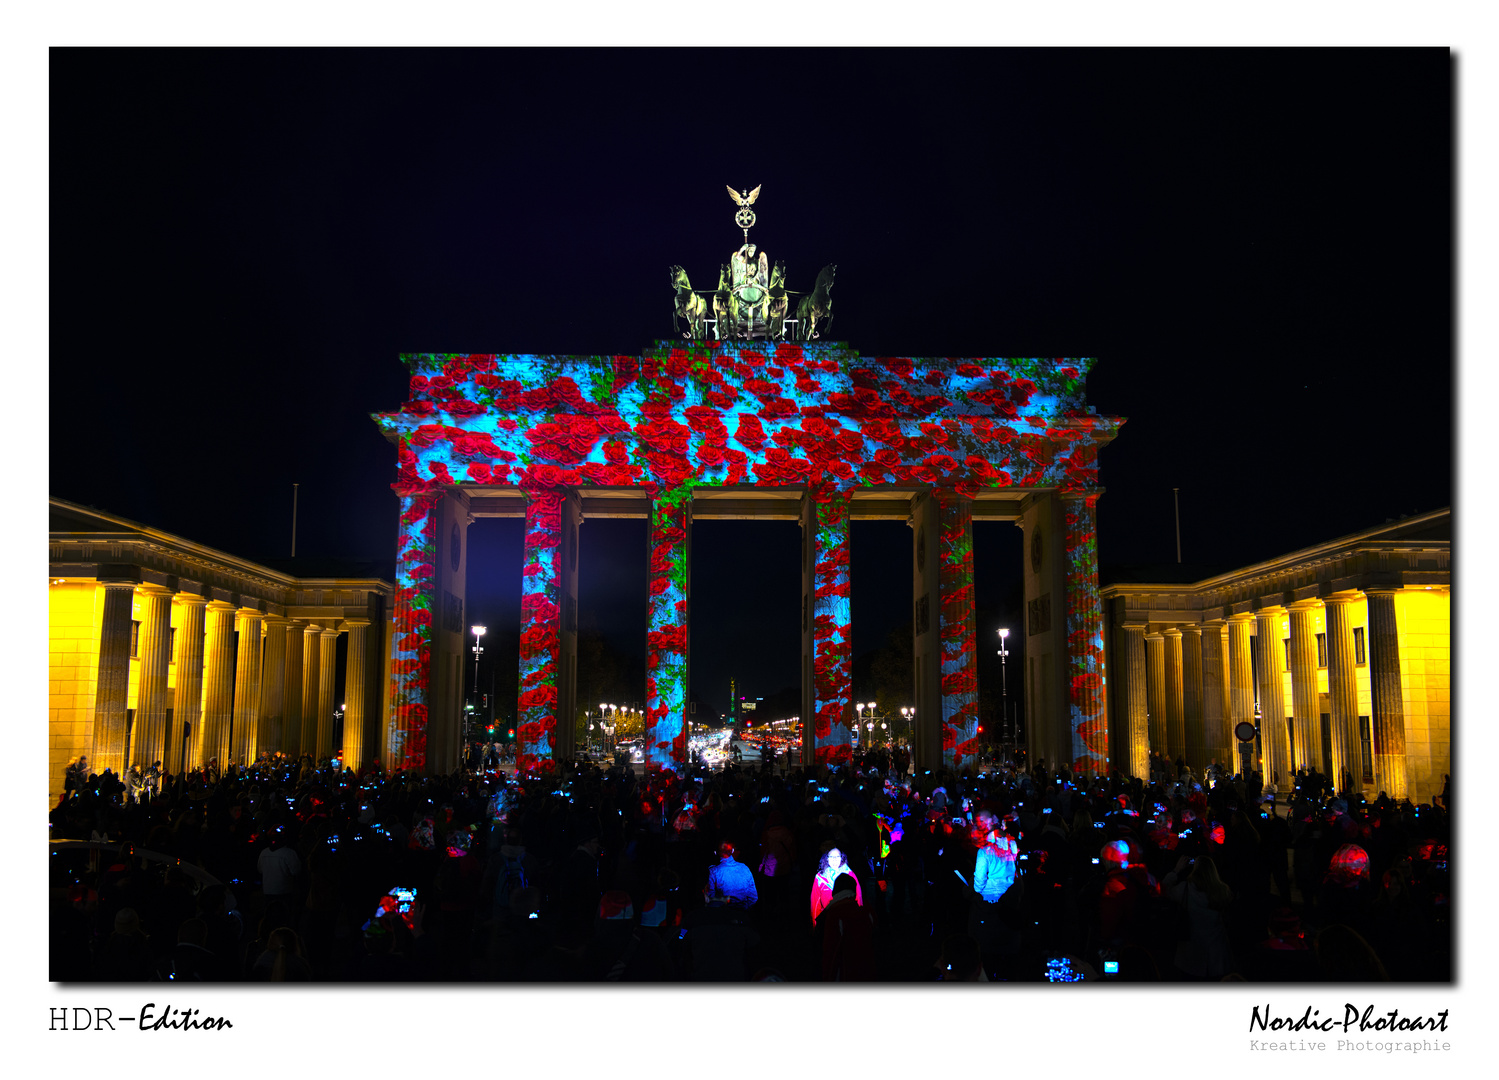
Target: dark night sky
[(1255, 245)]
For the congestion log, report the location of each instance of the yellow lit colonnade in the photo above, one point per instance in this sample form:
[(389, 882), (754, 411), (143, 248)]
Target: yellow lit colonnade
[(161, 649), (1340, 654)]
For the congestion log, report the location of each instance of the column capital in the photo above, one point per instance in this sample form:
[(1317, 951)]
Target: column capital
[(1214, 624), (221, 605), (1085, 493), (1268, 608), (1134, 624), (249, 612), (1383, 590), (1192, 628), (1338, 599), (331, 630), (1241, 617), (1157, 636), (147, 588), (187, 599), (354, 624), (1305, 605), (1172, 631), (277, 620)]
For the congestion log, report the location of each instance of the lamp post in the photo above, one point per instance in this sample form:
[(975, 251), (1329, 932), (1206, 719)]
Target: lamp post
[(478, 632), (1004, 689), (909, 715)]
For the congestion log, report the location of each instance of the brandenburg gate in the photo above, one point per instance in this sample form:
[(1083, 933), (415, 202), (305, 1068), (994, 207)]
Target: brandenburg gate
[(754, 418)]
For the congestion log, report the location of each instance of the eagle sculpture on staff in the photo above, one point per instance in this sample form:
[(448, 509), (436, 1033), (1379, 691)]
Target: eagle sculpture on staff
[(746, 217), (747, 198)]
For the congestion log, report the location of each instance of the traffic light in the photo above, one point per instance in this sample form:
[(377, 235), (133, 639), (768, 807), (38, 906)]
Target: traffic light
[(486, 701)]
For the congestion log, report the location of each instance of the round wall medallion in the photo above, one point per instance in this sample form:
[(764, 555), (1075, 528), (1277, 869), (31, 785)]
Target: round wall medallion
[(455, 546)]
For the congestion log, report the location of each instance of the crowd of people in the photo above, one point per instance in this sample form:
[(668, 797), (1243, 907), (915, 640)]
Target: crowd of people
[(292, 870)]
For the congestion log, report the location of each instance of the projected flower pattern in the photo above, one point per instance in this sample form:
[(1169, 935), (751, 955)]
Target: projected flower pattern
[(960, 684), (817, 415), (1090, 731), (411, 641), (832, 634)]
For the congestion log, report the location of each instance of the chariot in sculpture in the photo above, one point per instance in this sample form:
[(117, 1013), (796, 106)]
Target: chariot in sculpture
[(751, 300)]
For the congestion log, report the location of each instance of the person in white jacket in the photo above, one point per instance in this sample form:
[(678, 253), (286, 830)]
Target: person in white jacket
[(994, 870)]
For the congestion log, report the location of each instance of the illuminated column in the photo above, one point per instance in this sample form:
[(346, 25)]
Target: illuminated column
[(1342, 687), (149, 738), (1191, 643), (825, 531), (1138, 719), (1176, 735), (1305, 733), (958, 629), (1217, 730), (356, 741), (107, 748), (1385, 690), (667, 608), (1273, 740), (1088, 705), (411, 635), (218, 686), (247, 687), (273, 687), (311, 686), (187, 715), (1240, 677), (1155, 684), (291, 722), (326, 703), (541, 632)]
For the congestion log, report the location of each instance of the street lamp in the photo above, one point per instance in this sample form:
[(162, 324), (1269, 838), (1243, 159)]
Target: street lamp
[(909, 715), (478, 632), (1004, 689)]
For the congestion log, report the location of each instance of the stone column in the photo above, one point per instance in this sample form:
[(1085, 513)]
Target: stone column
[(1240, 678), (957, 631), (1277, 747), (1217, 730), (311, 685), (1386, 692), (1155, 684), (1089, 720), (291, 716), (1342, 687), (149, 738), (1138, 730), (326, 703), (825, 532), (541, 635), (1194, 741), (212, 740), (668, 547), (247, 687), (358, 745), (112, 694), (411, 647), (273, 687), (1176, 731), (1306, 731), (188, 713)]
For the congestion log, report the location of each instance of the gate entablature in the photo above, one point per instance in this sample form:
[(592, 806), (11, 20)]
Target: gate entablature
[(716, 417)]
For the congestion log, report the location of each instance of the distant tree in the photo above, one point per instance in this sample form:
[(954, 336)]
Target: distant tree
[(893, 670)]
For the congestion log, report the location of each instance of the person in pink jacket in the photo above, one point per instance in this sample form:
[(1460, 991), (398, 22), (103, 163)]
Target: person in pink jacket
[(829, 868)]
